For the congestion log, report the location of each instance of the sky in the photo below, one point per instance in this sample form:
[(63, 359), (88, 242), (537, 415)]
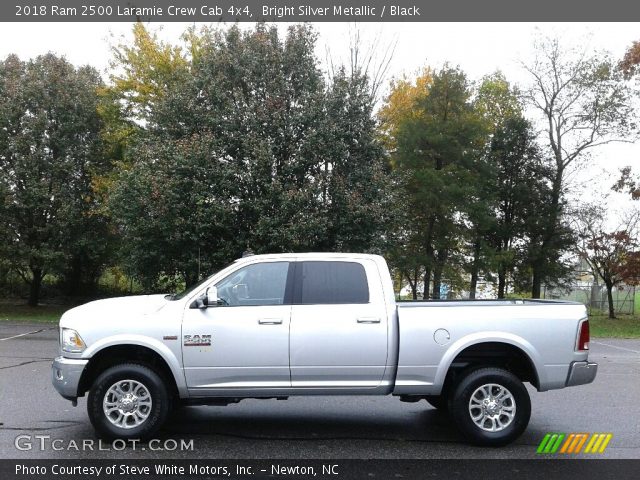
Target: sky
[(478, 48)]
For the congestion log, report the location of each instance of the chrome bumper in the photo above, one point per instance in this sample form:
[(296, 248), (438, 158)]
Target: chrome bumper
[(65, 376), (581, 373)]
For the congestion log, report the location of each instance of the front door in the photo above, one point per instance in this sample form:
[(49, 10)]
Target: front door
[(243, 343)]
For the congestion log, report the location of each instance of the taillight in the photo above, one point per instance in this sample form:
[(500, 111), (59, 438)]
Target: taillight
[(583, 336)]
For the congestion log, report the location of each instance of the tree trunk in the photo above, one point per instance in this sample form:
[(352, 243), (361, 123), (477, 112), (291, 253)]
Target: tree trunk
[(34, 286), (536, 283), (426, 279), (502, 281), (437, 280), (413, 283), (474, 269), (596, 293), (74, 277), (612, 313), (428, 247), (441, 259), (550, 231)]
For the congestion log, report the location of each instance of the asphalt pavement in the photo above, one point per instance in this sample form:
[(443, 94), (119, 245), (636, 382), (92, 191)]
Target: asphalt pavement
[(47, 426)]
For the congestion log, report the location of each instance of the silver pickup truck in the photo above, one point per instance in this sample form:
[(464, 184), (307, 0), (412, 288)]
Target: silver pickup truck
[(271, 326)]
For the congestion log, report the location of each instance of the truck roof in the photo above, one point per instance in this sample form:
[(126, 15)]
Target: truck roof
[(337, 255)]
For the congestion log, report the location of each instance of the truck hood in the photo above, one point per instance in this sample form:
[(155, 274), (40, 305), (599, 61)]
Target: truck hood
[(114, 310)]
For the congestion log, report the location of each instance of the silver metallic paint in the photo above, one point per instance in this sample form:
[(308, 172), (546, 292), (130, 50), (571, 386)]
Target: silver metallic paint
[(331, 353)]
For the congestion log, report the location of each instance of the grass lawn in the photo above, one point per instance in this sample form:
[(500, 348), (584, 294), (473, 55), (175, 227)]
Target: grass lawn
[(625, 326), (11, 312)]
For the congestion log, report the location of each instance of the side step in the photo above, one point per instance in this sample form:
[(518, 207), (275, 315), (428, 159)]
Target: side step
[(410, 398), (223, 401)]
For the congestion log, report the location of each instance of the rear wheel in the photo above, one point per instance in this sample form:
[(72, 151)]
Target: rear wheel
[(128, 401), (490, 406)]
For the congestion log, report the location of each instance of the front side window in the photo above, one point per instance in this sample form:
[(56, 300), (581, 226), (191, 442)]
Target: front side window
[(332, 283), (257, 284)]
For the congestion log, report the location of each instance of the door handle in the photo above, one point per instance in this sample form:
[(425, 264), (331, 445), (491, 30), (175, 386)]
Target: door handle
[(270, 321), (368, 319)]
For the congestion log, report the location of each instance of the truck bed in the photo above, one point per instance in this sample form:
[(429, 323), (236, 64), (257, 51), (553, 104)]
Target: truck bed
[(432, 335), (481, 302)]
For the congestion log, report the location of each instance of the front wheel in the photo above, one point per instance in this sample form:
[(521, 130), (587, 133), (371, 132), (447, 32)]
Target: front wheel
[(128, 401), (490, 406)]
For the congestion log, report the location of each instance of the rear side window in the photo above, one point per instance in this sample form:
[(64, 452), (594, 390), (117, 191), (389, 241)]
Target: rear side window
[(331, 283)]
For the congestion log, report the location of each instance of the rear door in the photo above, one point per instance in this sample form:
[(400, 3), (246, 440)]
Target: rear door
[(338, 325)]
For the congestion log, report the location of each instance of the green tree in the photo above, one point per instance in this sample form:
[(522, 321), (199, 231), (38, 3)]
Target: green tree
[(175, 210), (520, 181), (516, 175), (145, 70), (295, 161), (405, 249), (49, 149), (437, 152), (354, 175)]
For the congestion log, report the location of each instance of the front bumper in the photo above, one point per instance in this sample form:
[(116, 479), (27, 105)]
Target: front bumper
[(65, 376), (581, 373)]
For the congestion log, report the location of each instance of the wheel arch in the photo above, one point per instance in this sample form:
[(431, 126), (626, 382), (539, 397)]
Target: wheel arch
[(132, 352), (494, 349)]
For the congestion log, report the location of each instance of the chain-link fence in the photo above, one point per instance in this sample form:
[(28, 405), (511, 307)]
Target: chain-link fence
[(594, 296)]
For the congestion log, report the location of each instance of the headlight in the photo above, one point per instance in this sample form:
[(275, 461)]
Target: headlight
[(70, 341)]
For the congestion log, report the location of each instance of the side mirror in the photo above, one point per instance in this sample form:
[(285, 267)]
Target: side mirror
[(211, 297), (208, 299)]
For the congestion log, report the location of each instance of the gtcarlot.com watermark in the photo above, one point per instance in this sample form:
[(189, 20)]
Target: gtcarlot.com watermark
[(47, 443)]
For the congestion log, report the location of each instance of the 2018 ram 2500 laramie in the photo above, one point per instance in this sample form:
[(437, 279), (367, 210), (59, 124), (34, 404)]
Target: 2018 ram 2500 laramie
[(317, 324)]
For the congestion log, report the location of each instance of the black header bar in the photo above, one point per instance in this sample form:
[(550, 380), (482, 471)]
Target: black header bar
[(329, 469), (213, 11)]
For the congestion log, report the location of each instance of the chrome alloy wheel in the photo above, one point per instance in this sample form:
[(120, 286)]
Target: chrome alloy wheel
[(127, 403), (492, 407)]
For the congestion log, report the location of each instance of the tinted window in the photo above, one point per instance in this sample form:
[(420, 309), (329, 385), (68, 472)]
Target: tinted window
[(258, 284), (332, 282)]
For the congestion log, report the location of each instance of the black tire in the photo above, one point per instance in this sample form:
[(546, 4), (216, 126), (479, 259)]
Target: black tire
[(459, 407), (156, 413), (441, 402)]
